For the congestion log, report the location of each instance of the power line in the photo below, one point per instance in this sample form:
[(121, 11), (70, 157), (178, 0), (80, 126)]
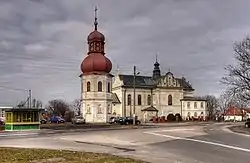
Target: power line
[(14, 89)]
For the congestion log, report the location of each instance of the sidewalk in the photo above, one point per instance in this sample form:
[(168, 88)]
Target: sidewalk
[(58, 131)]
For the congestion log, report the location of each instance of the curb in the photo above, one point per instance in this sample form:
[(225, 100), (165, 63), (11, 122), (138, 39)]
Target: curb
[(226, 128), (51, 131), (96, 129)]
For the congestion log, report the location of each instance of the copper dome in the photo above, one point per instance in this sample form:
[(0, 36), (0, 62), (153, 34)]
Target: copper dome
[(96, 62), (96, 36)]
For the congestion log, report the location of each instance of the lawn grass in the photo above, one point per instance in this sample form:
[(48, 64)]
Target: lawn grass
[(20, 155)]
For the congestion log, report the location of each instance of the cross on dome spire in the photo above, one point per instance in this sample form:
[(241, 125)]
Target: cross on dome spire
[(95, 22)]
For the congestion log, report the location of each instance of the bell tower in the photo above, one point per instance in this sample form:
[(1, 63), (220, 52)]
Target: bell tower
[(156, 71), (96, 80)]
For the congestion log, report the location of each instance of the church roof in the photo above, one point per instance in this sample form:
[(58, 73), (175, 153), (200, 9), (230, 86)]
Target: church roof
[(115, 99), (140, 81), (149, 82), (184, 83)]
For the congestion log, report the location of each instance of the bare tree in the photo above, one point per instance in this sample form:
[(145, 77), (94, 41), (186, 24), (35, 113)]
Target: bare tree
[(57, 107), (212, 105), (22, 104), (225, 100), (238, 77), (77, 106), (36, 103)]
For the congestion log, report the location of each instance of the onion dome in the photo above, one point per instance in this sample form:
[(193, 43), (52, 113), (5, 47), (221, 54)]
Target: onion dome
[(96, 36), (96, 62)]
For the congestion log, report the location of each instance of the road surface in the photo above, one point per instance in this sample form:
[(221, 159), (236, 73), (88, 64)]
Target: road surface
[(180, 144)]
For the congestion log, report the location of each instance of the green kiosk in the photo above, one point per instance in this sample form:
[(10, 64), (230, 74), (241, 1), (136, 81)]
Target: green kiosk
[(18, 119)]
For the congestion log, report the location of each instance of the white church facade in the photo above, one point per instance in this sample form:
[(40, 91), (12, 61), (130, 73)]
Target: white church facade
[(104, 95), (161, 96)]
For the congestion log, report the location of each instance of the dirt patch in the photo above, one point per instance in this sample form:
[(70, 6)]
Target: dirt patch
[(49, 160), (240, 129)]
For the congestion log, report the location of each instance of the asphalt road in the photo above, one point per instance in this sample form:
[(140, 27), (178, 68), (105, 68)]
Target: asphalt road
[(171, 144)]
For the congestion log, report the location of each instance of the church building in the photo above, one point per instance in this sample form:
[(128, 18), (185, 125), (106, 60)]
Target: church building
[(158, 95)]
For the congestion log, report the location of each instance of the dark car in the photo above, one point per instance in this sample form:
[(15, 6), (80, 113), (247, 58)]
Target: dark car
[(114, 120), (78, 120), (128, 120), (56, 119), (247, 124)]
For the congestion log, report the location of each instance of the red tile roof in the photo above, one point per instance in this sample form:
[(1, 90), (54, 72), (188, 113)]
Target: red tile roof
[(232, 110)]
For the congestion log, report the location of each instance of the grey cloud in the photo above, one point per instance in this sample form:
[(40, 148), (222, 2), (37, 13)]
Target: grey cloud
[(42, 43)]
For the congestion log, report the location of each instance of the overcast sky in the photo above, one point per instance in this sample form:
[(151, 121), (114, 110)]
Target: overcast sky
[(43, 42)]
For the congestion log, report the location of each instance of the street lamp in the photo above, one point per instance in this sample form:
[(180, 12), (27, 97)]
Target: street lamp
[(135, 74)]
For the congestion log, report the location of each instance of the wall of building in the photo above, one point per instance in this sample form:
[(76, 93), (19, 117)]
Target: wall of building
[(190, 110), (161, 100), (231, 118), (117, 107), (96, 106)]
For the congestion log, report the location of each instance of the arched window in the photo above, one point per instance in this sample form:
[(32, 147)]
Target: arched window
[(149, 100), (99, 86), (195, 105), (202, 104), (139, 99), (129, 99), (169, 99), (188, 105), (195, 114), (88, 86), (108, 87)]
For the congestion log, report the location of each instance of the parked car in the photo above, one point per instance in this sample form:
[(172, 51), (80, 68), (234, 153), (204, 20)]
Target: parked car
[(128, 120), (56, 119), (78, 120), (114, 120), (247, 124), (43, 121)]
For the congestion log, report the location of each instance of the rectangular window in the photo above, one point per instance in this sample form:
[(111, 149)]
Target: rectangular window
[(149, 100), (139, 99), (129, 99)]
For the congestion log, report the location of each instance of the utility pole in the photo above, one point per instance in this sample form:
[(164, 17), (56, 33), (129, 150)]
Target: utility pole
[(30, 99), (134, 95)]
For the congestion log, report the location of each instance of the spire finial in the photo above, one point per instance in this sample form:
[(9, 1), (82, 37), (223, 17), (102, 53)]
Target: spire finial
[(169, 70), (95, 23), (156, 57)]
